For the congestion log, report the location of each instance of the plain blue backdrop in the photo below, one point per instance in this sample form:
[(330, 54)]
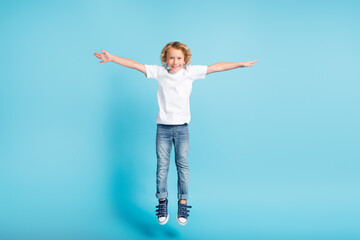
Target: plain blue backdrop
[(274, 149)]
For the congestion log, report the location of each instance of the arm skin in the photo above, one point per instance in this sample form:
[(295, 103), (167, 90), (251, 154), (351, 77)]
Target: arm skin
[(223, 66), (217, 67), (107, 57)]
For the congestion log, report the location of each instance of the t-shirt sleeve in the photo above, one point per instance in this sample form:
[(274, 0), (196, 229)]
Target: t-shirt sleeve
[(197, 71), (152, 71)]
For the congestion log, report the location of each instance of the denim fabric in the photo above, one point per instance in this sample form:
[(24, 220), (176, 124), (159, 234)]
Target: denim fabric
[(166, 136)]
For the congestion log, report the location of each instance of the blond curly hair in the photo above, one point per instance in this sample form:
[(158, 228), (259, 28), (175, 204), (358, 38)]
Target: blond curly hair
[(177, 45)]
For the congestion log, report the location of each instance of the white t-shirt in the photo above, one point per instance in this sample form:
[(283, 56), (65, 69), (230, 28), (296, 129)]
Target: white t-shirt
[(174, 91)]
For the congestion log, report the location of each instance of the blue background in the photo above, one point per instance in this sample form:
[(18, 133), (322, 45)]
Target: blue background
[(274, 150)]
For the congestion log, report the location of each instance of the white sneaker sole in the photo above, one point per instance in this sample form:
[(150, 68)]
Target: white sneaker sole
[(181, 223), (164, 222)]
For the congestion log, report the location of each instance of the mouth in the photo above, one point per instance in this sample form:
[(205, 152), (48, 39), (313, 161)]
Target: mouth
[(175, 67)]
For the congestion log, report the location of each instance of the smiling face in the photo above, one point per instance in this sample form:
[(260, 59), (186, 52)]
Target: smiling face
[(175, 59)]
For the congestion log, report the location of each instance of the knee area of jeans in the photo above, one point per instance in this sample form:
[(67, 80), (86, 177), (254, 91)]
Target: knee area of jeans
[(179, 157), (163, 158), (182, 167), (162, 167), (182, 162)]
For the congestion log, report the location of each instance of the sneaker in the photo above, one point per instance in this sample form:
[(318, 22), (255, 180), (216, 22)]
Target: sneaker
[(162, 212), (182, 215)]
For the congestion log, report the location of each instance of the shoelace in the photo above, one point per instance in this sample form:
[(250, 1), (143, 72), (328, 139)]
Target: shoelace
[(161, 209), (183, 210)]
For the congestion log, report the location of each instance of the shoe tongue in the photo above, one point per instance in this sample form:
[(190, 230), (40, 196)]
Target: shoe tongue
[(162, 201)]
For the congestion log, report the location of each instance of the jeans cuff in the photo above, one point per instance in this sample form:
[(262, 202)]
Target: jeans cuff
[(161, 195), (182, 196)]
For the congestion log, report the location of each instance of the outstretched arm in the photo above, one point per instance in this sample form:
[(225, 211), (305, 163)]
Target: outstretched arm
[(223, 66), (107, 57)]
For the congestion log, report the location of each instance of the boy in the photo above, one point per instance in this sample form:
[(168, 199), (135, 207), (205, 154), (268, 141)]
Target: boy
[(175, 78)]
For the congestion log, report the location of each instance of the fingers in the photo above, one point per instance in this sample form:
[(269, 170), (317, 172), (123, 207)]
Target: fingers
[(251, 63), (101, 56), (98, 55)]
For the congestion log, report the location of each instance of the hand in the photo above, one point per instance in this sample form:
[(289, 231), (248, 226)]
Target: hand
[(104, 56), (249, 64)]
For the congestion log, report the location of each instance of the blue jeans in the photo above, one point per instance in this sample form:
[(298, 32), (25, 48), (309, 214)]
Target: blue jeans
[(166, 136)]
